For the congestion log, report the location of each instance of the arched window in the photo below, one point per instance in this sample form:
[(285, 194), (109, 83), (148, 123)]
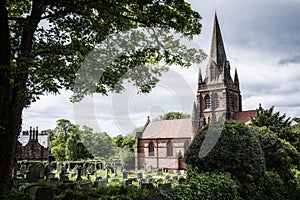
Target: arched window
[(170, 148), (212, 73), (235, 102), (216, 101), (151, 148), (186, 145), (232, 101), (207, 101)]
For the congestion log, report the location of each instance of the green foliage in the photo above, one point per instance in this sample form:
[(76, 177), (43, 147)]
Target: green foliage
[(274, 188), (281, 157), (237, 150), (100, 145), (58, 48), (14, 194), (270, 119), (205, 186), (67, 144), (125, 142), (174, 115), (109, 193)]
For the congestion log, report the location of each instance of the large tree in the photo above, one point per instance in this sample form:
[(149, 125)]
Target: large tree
[(43, 42)]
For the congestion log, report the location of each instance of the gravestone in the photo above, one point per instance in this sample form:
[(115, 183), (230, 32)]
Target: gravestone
[(23, 169), (147, 186), (181, 180), (83, 173), (167, 178), (78, 175), (159, 173), (58, 166), (100, 183), (42, 171), (139, 175), (44, 194), (165, 186), (124, 175), (33, 174), (91, 168), (106, 173)]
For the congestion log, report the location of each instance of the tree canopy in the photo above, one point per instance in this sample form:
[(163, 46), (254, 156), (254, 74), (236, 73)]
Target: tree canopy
[(174, 115), (270, 119)]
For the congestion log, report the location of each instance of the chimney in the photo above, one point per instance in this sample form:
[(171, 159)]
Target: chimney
[(30, 133), (36, 133)]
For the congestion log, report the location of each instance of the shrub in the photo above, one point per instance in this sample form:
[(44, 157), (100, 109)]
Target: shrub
[(206, 186), (237, 150)]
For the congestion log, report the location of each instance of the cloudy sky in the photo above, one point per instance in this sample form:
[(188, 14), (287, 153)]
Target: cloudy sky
[(262, 40)]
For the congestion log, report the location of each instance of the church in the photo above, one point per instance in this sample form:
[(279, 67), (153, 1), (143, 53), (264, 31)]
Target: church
[(162, 143)]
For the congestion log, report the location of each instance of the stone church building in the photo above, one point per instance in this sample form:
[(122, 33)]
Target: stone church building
[(33, 146), (162, 143)]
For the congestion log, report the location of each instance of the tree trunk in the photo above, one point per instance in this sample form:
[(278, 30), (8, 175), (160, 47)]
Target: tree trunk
[(13, 89), (10, 108)]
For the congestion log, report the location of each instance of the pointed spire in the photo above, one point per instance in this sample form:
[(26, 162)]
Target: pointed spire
[(236, 77), (199, 77), (217, 51), (195, 111)]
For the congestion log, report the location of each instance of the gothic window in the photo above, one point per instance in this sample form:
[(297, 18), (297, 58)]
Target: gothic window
[(151, 148), (232, 101), (216, 100), (212, 73), (235, 102), (207, 101), (170, 148), (186, 145)]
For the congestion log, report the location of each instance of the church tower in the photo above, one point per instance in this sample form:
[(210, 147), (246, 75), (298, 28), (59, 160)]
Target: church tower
[(218, 95)]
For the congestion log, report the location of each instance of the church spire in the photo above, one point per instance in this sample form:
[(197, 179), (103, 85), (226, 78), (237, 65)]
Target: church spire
[(199, 76), (236, 77), (217, 51)]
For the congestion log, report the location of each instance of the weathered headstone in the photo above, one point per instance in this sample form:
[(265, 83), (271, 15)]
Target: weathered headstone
[(147, 186), (83, 172), (102, 183), (58, 166), (165, 186), (124, 175), (78, 175), (139, 175), (44, 194), (106, 173), (23, 169), (33, 174), (42, 171), (181, 180)]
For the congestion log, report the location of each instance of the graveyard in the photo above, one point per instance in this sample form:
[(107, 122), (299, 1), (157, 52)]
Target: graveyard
[(58, 180)]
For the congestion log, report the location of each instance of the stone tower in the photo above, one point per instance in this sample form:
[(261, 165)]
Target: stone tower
[(218, 95)]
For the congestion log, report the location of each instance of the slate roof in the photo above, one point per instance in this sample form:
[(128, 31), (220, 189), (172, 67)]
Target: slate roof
[(244, 116), (177, 128), (42, 139)]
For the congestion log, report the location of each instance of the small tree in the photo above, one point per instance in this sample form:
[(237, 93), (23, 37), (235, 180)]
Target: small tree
[(270, 119), (236, 150), (174, 115)]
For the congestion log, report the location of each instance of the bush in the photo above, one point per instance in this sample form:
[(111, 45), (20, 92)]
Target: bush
[(205, 186), (237, 150)]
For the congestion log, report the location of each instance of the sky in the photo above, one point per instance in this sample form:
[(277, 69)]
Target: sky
[(262, 40)]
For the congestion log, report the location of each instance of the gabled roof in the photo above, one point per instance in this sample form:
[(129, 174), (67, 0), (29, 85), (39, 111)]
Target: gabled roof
[(42, 140), (244, 116), (177, 128)]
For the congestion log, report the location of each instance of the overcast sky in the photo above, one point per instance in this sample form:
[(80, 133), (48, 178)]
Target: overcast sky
[(262, 40)]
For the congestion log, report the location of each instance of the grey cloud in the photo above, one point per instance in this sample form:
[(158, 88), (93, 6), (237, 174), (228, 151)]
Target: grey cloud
[(290, 60)]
